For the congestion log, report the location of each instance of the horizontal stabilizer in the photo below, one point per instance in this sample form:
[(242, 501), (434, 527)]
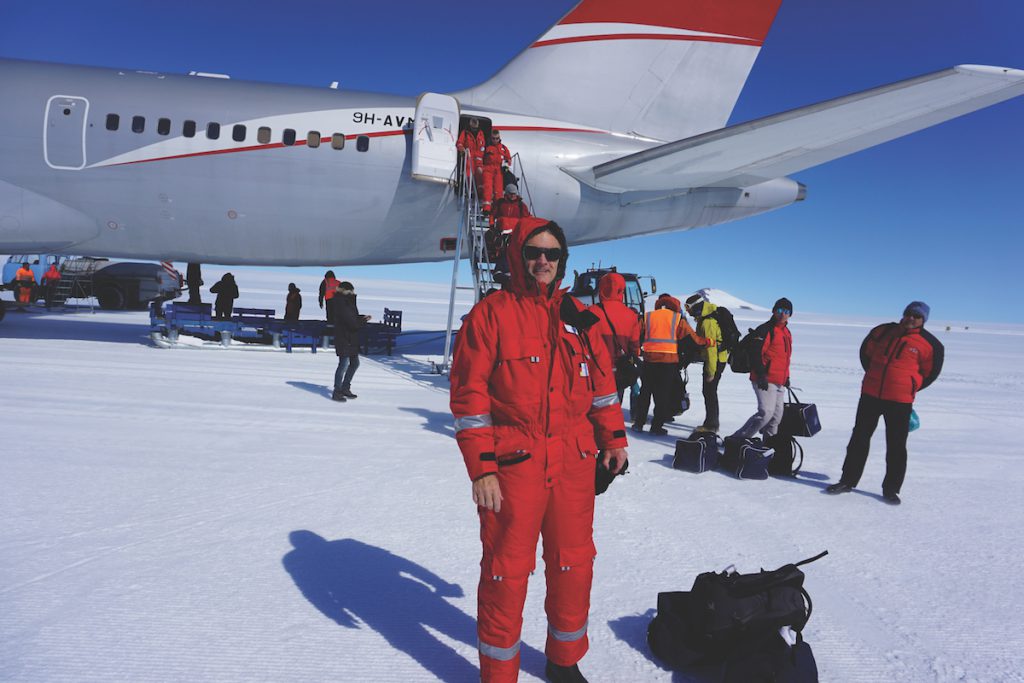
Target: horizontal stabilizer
[(779, 145)]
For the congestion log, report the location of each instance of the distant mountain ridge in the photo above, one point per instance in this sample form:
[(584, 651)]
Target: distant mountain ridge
[(722, 298)]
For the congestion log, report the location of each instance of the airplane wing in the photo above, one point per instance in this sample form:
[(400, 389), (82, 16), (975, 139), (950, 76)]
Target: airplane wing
[(779, 145)]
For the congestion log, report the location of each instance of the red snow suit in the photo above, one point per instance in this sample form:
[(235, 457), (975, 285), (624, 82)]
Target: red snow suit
[(494, 185), (534, 400), (899, 363), (626, 340), (472, 146)]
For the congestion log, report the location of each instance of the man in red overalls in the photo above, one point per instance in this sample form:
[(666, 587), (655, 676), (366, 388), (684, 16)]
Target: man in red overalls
[(496, 159), (470, 146), (535, 407)]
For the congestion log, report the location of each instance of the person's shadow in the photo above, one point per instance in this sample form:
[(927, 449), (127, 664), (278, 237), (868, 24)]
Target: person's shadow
[(352, 582)]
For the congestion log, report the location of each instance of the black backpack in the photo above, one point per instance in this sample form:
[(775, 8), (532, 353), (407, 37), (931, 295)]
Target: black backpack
[(789, 455), (740, 359), (726, 612), (730, 333)]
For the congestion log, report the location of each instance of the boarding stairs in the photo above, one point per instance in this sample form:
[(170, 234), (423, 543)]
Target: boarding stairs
[(76, 281), (473, 228)]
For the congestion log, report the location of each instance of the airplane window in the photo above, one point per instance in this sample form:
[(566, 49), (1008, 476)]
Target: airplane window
[(213, 130), (313, 139), (238, 133), (138, 124), (163, 126), (362, 143), (338, 141), (113, 121), (288, 136), (263, 135), (188, 129)]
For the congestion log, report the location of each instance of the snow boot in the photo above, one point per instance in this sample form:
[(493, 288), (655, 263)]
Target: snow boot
[(891, 498), (347, 393), (658, 431), (837, 488), (563, 674), (338, 396)]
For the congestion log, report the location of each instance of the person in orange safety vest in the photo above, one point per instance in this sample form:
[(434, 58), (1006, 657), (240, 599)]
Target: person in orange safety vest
[(496, 159), (24, 280), (328, 288), (535, 407), (663, 328)]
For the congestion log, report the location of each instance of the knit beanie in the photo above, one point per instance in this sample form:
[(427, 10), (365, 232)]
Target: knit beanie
[(919, 308)]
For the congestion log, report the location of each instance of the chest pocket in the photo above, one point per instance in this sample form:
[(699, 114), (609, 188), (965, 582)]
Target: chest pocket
[(520, 371), (580, 363)]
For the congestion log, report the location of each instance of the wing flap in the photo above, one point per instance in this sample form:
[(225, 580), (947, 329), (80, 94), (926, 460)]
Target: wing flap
[(782, 144)]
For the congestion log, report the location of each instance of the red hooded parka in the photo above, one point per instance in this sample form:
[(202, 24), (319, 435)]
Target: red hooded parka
[(534, 399)]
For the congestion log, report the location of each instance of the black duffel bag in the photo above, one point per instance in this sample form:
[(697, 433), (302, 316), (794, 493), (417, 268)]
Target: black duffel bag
[(799, 419), (698, 453), (746, 458), (789, 455), (726, 613)]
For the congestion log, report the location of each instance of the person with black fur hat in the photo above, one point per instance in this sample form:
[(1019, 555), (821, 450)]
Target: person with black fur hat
[(535, 405), (899, 360), (770, 372)]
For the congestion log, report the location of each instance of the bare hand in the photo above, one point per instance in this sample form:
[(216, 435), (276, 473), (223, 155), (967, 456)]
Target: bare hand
[(614, 459), (487, 492)]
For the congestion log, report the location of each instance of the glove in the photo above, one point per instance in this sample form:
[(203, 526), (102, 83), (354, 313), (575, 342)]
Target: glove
[(787, 383), (762, 383)]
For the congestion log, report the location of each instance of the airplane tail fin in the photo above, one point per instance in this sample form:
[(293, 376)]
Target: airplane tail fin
[(665, 69)]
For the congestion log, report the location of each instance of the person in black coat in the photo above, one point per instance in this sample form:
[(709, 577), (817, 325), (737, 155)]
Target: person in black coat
[(226, 291), (344, 315), (293, 302)]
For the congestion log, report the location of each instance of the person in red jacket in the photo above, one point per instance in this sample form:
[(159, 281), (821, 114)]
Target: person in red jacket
[(51, 278), (470, 146), (535, 408), (506, 214), (496, 159), (770, 374), (899, 360), (618, 325)]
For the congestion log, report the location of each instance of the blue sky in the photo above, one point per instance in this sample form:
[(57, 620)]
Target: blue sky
[(933, 216)]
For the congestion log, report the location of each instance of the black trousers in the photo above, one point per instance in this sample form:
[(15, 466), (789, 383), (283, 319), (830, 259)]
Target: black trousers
[(658, 380), (711, 399), (897, 427)]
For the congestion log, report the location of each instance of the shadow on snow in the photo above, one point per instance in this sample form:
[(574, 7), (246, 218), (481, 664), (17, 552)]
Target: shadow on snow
[(353, 583)]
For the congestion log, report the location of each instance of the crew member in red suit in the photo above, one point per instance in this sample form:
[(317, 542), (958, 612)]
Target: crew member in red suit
[(619, 325), (470, 146), (496, 159), (506, 214), (535, 407)]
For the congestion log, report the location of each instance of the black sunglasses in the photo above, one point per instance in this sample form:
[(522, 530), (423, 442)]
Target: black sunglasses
[(533, 253)]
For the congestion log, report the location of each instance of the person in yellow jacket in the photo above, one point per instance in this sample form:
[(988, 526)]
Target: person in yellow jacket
[(662, 329), (713, 356), (24, 279)]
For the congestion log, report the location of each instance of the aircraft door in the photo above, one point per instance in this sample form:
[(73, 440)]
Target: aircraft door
[(64, 132), (435, 133)]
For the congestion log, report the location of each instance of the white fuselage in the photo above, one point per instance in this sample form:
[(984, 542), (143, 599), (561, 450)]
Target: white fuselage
[(156, 194)]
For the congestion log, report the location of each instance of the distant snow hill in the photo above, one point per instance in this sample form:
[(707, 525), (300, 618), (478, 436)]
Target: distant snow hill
[(720, 298)]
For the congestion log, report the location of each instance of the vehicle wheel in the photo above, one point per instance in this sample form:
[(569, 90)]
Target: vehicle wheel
[(110, 298)]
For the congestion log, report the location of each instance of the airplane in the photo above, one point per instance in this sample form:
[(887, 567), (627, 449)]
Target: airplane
[(618, 114)]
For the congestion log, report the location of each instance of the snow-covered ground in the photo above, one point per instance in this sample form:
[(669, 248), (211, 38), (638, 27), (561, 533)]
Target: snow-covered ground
[(208, 514)]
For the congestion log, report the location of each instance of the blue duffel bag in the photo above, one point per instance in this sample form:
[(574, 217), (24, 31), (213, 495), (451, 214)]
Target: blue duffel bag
[(698, 453), (746, 458)]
